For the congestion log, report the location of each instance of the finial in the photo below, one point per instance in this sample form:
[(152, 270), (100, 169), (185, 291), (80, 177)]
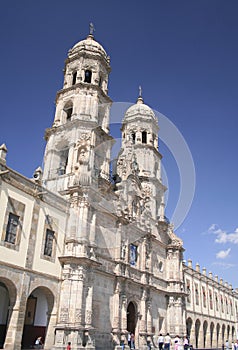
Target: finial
[(91, 28), (140, 99)]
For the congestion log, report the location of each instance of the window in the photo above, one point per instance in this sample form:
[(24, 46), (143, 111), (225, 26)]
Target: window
[(222, 306), (74, 78), (88, 76), (69, 112), (144, 137), (188, 290), (204, 297), (210, 299), (133, 254), (216, 300), (196, 294), (49, 239), (12, 226), (133, 137), (63, 161)]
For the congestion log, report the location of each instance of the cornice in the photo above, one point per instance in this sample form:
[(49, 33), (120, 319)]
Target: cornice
[(86, 86)]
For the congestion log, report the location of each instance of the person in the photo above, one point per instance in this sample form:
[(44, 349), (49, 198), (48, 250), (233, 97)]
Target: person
[(68, 346), (160, 341), (227, 344), (129, 339), (132, 341), (38, 343), (185, 343), (167, 342), (176, 342)]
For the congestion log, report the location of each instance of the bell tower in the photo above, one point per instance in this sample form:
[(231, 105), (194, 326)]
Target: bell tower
[(78, 139), (139, 155)]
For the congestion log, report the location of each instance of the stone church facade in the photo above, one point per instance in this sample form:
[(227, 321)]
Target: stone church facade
[(87, 254)]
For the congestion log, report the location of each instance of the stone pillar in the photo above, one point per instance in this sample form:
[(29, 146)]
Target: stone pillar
[(116, 315), (124, 314), (143, 321), (89, 333), (49, 340), (69, 327), (192, 338), (149, 318), (12, 341), (16, 324)]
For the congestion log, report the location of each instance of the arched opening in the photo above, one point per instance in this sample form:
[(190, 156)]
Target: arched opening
[(223, 333), (211, 334), (228, 332), (197, 330), (204, 333), (218, 332), (144, 137), (133, 137), (131, 318), (63, 161), (4, 310), (233, 333), (38, 308), (8, 295), (74, 78), (88, 76), (68, 110), (189, 323)]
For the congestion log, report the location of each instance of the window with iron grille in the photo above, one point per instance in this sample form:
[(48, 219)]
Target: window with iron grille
[(49, 240), (12, 226)]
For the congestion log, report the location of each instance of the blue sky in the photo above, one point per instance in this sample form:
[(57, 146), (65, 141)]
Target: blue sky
[(183, 53)]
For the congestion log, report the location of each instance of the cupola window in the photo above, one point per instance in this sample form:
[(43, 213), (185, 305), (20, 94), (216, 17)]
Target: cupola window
[(88, 76), (74, 78), (144, 137)]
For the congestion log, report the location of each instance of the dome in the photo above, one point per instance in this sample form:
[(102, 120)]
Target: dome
[(89, 45), (139, 109)]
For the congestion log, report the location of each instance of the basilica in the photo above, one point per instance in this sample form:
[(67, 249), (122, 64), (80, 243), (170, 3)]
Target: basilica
[(87, 255)]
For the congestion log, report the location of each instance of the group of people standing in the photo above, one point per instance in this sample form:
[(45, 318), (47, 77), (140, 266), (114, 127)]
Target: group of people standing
[(164, 342)]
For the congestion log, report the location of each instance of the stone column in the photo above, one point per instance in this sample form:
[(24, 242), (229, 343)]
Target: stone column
[(149, 318), (124, 313), (49, 340), (89, 331), (13, 336), (116, 315), (192, 339), (71, 307), (143, 321), (17, 317)]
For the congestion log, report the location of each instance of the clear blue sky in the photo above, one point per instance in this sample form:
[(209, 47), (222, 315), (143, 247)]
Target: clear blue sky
[(183, 53)]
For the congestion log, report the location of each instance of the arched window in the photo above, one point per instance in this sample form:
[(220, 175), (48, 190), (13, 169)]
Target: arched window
[(74, 78), (68, 109), (63, 161), (144, 137), (69, 112), (133, 137), (88, 76)]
